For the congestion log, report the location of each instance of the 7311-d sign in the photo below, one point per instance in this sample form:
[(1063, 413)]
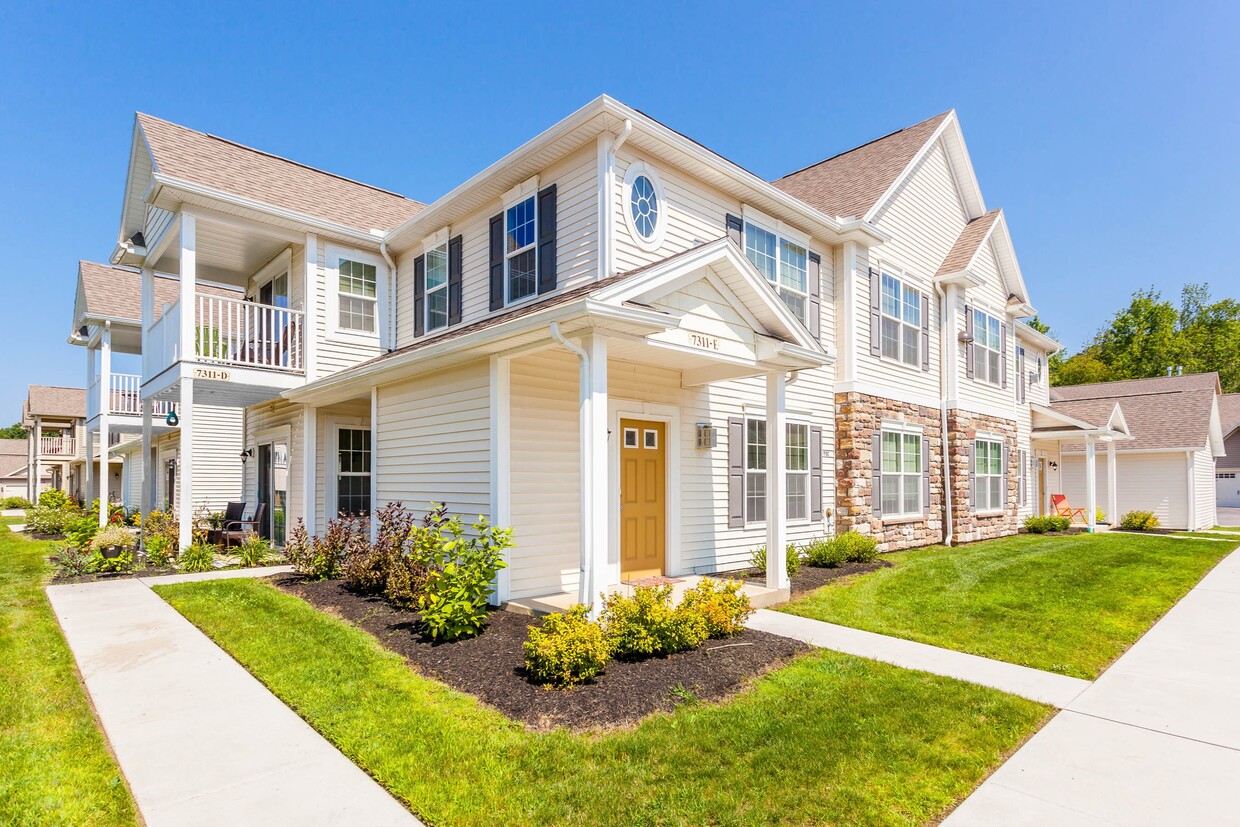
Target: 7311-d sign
[(216, 374)]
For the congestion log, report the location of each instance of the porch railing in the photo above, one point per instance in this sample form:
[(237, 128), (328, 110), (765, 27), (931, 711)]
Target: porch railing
[(124, 398), (230, 332), (58, 446)]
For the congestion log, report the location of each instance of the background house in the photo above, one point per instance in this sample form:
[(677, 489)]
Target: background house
[(1227, 471)]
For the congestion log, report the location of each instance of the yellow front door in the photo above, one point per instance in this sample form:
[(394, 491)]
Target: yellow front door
[(643, 498)]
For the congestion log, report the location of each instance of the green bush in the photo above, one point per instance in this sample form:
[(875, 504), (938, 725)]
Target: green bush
[(80, 528), (792, 561), (1139, 521), (1046, 523), (198, 557), (15, 502), (120, 563), (645, 624), (72, 562), (54, 498), (114, 536), (459, 574), (824, 552), (47, 520), (158, 551), (254, 551), (721, 605), (158, 523), (849, 547), (568, 649)]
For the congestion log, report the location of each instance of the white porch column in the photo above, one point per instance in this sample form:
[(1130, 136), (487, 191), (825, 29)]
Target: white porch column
[(88, 473), (189, 275), (310, 467), (148, 315), (88, 479), (776, 482), (148, 467), (32, 466), (501, 463), (105, 400), (593, 417), (185, 463), (1112, 492), (1091, 483)]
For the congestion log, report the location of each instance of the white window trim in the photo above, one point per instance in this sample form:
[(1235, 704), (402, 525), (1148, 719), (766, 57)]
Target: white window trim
[(989, 510), (426, 289), (636, 169), (332, 269), (808, 473), (524, 192), (764, 471), (905, 429), (281, 264), (780, 236), (331, 499), (906, 283), (997, 380)]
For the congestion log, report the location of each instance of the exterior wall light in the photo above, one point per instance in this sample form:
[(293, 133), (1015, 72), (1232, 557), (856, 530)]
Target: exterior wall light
[(707, 435), (172, 419)]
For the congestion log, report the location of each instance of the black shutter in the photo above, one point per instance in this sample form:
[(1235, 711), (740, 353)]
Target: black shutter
[(1003, 355), (419, 295), (815, 294), (815, 474), (736, 472), (925, 332), (876, 475), (876, 315), (968, 348), (497, 261), (546, 240), (735, 229), (455, 246)]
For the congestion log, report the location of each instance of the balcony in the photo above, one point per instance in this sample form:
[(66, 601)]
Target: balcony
[(57, 446), (264, 344), (124, 404)]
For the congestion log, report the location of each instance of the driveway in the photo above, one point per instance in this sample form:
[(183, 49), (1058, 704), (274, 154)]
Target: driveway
[(1155, 740), (1229, 516)]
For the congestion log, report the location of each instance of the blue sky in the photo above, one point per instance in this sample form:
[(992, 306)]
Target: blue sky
[(1107, 131)]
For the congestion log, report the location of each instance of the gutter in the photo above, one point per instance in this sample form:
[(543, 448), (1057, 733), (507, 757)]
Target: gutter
[(944, 349), (391, 302)]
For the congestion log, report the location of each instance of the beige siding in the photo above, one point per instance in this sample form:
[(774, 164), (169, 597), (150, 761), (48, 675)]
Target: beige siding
[(271, 416), (1204, 489), (334, 352), (346, 414), (217, 467), (991, 297), (432, 441)]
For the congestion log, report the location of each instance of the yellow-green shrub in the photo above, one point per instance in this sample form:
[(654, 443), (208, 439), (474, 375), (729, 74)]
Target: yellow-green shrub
[(646, 624), (568, 649), (721, 605)]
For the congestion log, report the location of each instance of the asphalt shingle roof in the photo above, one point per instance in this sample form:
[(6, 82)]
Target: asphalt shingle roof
[(1229, 411), (967, 244), (116, 292), (50, 400), (1165, 412)]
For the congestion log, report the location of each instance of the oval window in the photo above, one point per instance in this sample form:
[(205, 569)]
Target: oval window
[(644, 205)]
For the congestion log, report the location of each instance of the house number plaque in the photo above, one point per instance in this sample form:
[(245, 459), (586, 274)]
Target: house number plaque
[(707, 342), (217, 374)]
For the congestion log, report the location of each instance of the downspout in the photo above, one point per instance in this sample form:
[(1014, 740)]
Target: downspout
[(391, 308), (584, 586), (609, 243), (945, 349)]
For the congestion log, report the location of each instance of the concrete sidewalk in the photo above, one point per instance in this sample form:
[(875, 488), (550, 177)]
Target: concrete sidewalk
[(1044, 687), (200, 741), (1155, 740)]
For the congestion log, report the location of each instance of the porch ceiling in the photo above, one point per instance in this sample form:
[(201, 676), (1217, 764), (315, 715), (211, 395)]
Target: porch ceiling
[(226, 252)]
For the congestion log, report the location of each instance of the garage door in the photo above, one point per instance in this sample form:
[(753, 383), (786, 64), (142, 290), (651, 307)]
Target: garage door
[(1227, 484)]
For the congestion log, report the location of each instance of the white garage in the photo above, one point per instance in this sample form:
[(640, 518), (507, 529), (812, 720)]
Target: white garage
[(1227, 489)]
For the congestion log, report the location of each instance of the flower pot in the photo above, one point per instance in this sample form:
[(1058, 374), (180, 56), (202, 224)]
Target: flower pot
[(111, 553)]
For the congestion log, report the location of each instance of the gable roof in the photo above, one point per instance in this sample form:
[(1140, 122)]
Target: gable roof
[(970, 240), (108, 292), (1229, 411), (853, 182), (186, 154), (1164, 412), (52, 400)]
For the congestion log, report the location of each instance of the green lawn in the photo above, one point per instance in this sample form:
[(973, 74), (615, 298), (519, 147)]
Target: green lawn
[(827, 739), (1068, 604), (54, 766)]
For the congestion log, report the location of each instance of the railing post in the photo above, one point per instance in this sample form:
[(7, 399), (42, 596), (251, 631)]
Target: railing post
[(189, 270)]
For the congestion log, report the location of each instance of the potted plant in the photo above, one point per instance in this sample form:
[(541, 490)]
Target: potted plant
[(113, 540)]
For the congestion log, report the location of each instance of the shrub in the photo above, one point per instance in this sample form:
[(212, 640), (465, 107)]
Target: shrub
[(47, 520), (1139, 521), (366, 567), (114, 536), (158, 551), (568, 649), (120, 563), (15, 502), (80, 528), (162, 524), (320, 558), (792, 563), (53, 498), (646, 624), (460, 571), (72, 562), (858, 548), (407, 570), (1046, 523), (721, 605), (824, 552), (254, 551), (197, 558)]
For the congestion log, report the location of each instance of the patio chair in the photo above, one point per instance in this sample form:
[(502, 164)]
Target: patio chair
[(1060, 503), (233, 512), (235, 531)]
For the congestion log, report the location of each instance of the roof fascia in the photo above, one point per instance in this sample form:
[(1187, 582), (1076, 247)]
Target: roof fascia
[(138, 135), (1005, 255), (1035, 337), (971, 191)]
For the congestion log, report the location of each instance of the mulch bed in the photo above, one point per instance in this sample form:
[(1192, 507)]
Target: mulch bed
[(491, 666), (808, 578), (112, 575)]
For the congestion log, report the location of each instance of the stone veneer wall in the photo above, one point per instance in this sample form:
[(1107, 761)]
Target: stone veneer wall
[(962, 428), (858, 420)]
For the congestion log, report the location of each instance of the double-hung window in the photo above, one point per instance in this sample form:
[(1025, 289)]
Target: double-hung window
[(520, 252), (1023, 494), (353, 471), (987, 347), (437, 287), (901, 474), (357, 295), (797, 470), (783, 262), (901, 321), (988, 492)]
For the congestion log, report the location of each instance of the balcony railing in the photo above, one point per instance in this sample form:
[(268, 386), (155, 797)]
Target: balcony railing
[(231, 332), (124, 398), (58, 446)]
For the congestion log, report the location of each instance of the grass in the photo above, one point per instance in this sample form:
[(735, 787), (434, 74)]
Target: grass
[(1068, 604), (54, 766), (828, 739)]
